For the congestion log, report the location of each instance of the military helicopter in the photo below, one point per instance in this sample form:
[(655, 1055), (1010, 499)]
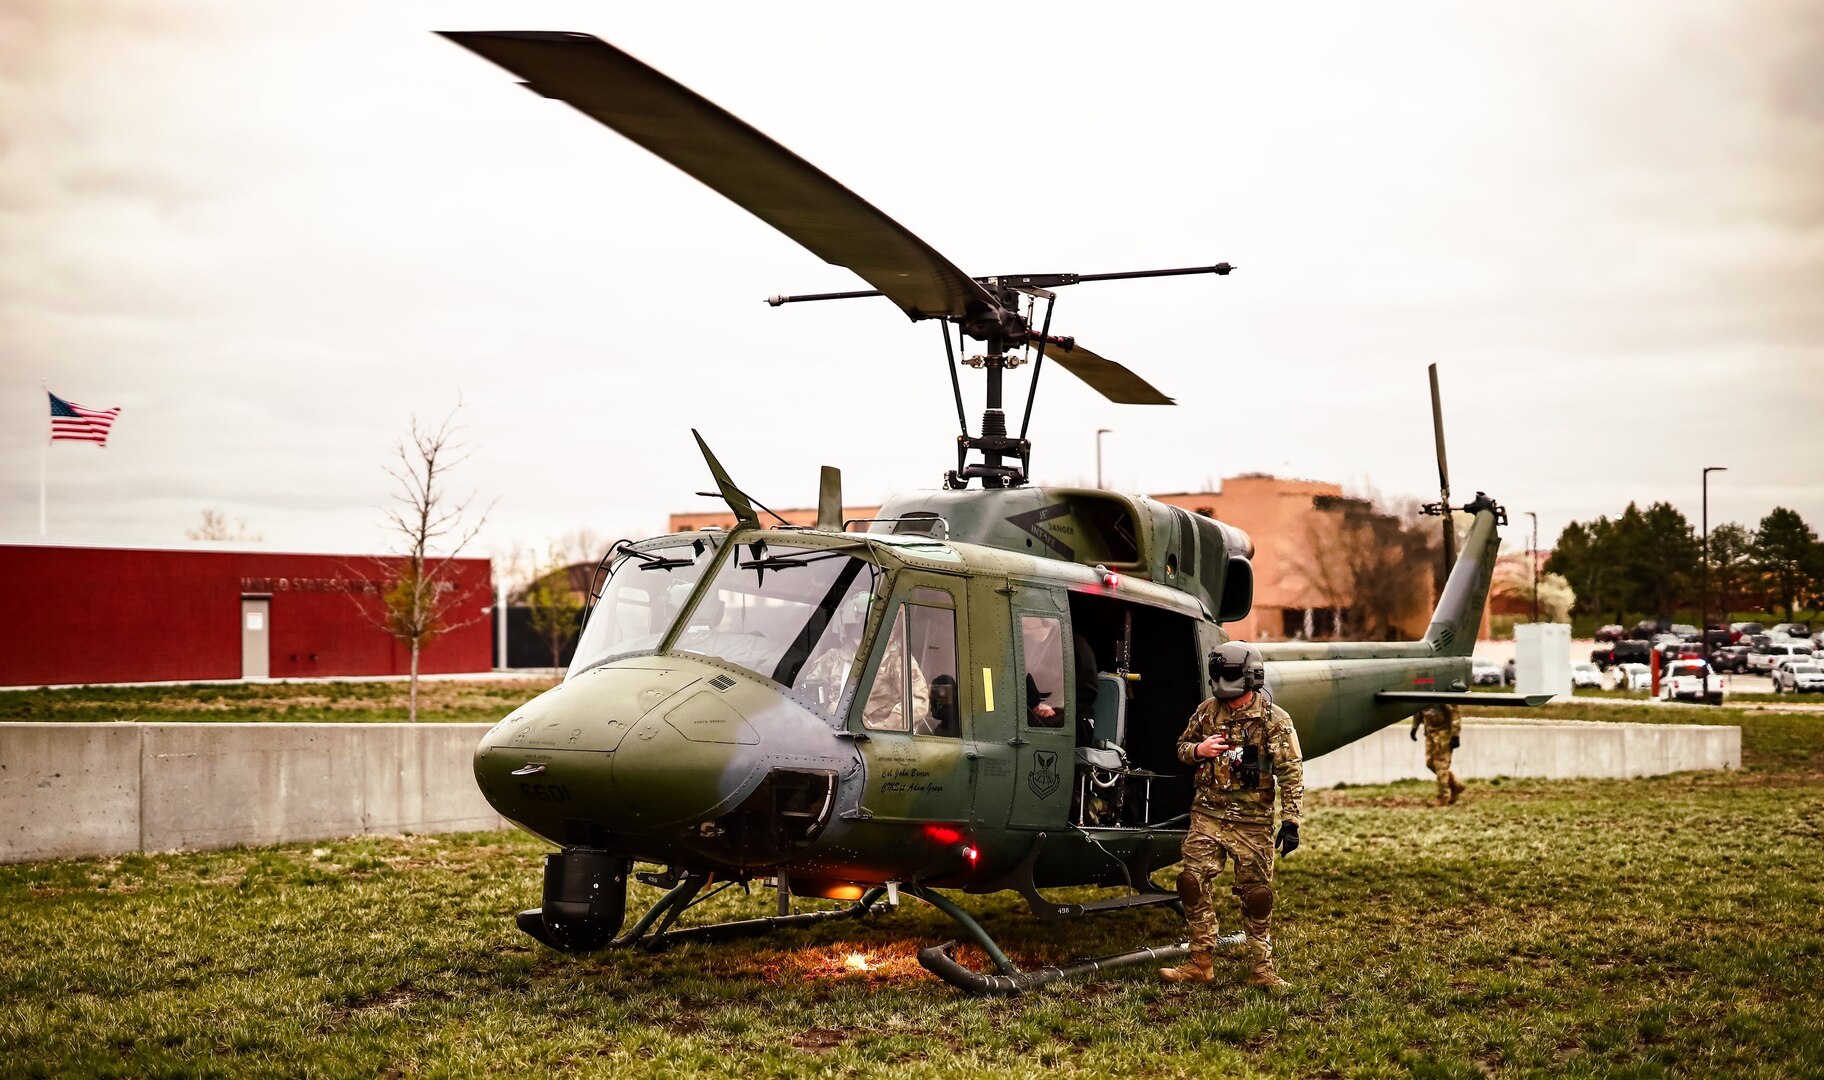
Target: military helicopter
[(897, 710)]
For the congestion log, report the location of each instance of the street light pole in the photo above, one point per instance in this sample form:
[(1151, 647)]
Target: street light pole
[(1099, 433), (1532, 556), (1703, 603)]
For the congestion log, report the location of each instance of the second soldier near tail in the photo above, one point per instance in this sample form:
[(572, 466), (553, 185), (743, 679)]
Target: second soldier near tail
[(1242, 746), (1443, 734)]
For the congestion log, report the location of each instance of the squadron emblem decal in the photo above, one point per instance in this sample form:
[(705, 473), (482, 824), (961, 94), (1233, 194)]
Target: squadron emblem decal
[(1031, 523), (1043, 779)]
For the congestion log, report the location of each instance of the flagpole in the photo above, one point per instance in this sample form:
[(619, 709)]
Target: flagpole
[(44, 458)]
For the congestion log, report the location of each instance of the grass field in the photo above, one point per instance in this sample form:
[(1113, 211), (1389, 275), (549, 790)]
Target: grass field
[(1628, 928), (439, 701)]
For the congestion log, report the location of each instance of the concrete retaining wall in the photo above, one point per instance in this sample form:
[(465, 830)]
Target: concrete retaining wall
[(1549, 749), (72, 790), (69, 790)]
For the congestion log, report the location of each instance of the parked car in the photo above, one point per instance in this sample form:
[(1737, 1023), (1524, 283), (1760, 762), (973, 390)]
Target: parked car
[(1761, 659), (1633, 677), (1646, 630), (1585, 673), (1673, 650), (1690, 680), (1801, 678), (1611, 632), (1730, 658), (1620, 652), (1794, 629), (1485, 673), (1747, 627), (1685, 631)]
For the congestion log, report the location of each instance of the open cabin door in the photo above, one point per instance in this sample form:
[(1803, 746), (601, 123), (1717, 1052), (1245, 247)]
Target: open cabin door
[(1044, 711)]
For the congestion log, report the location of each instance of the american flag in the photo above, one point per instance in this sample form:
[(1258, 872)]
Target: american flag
[(72, 421)]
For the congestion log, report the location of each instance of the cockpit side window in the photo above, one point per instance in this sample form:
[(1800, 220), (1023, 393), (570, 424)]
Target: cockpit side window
[(915, 683)]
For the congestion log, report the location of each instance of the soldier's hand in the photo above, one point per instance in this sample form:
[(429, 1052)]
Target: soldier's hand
[(1414, 733), (1288, 838), (1214, 746), (1455, 742)]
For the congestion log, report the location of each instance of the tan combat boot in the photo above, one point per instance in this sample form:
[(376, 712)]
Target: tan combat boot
[(1198, 968), (1263, 975), (1456, 788)]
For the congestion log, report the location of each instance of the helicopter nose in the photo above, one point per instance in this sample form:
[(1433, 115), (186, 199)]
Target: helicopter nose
[(666, 752), (681, 763)]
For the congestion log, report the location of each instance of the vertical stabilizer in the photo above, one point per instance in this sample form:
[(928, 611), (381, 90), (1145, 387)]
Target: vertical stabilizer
[(829, 499), (1459, 613)]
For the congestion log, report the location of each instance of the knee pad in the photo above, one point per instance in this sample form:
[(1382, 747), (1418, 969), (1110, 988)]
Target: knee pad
[(1190, 888), (1256, 900)]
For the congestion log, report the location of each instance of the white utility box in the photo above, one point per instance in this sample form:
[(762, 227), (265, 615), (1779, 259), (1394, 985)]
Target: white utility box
[(1542, 659)]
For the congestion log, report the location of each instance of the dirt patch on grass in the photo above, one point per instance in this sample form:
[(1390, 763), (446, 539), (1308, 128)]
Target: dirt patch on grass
[(819, 1040)]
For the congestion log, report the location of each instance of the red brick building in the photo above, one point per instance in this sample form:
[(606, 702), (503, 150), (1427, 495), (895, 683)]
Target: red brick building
[(89, 615)]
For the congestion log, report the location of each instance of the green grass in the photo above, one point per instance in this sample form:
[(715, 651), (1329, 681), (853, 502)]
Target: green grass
[(439, 701), (1624, 928)]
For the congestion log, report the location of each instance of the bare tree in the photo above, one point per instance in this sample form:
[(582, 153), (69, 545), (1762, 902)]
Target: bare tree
[(214, 527), (429, 530), (1371, 564)]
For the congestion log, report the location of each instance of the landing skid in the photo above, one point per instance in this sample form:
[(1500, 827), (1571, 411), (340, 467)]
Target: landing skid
[(653, 931), (940, 960), (1137, 868)]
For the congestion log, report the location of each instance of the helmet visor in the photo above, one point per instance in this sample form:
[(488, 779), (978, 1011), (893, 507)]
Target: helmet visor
[(1226, 669)]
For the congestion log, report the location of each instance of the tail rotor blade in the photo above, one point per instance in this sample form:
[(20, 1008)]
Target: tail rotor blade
[(1437, 428)]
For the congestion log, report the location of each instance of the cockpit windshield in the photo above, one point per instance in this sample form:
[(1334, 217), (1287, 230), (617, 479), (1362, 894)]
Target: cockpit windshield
[(646, 589), (793, 615)]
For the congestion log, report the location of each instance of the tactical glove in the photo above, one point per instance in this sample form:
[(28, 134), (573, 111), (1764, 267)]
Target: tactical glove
[(1455, 742), (1414, 733), (1288, 837)]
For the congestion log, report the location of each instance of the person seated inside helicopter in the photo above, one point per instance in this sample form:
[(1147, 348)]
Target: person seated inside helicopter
[(1045, 678), (827, 674)]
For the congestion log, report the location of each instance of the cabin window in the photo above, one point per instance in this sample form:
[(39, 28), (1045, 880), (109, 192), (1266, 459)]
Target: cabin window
[(639, 602), (915, 685), (1042, 643)]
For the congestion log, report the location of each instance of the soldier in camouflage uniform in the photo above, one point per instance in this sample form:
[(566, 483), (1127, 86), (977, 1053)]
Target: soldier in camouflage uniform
[(1241, 745), (1443, 733)]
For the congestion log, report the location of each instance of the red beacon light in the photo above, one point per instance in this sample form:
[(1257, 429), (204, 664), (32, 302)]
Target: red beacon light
[(1110, 579)]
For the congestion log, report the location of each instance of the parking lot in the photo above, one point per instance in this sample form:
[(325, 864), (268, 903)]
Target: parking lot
[(1499, 652)]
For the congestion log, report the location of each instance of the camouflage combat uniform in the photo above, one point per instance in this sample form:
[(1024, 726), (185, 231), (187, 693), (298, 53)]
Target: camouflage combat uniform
[(1232, 819), (1443, 729)]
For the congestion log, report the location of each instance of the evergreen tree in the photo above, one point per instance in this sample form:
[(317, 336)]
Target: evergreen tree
[(1732, 569), (1785, 550)]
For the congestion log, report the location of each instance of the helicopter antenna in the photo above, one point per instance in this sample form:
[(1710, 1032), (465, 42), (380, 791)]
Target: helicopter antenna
[(739, 501)]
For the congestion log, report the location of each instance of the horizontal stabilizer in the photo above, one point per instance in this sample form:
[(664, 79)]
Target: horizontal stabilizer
[(1442, 697)]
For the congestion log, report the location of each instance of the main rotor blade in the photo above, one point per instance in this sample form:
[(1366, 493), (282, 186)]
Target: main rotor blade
[(750, 169), (1104, 376)]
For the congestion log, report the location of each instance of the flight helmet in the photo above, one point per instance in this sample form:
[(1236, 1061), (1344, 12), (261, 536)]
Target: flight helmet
[(1236, 668)]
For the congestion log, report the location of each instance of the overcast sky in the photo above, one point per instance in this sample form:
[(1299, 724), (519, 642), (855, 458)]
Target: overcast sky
[(271, 233)]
